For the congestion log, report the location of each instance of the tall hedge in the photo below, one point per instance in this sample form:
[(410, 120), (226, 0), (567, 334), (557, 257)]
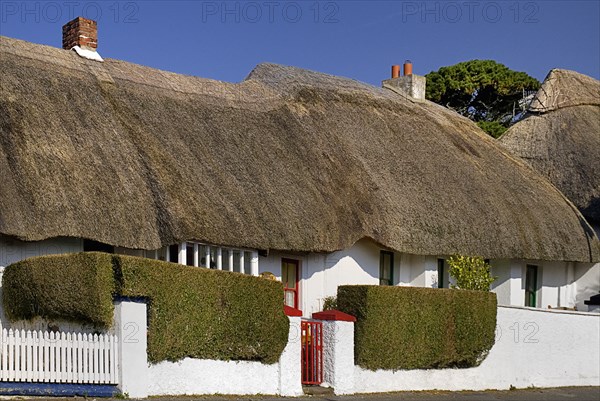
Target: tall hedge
[(202, 313), (419, 328), (193, 312), (77, 288)]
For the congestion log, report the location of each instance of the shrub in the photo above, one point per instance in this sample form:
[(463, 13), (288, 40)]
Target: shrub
[(209, 314), (193, 312), (77, 288), (419, 328), (329, 303), (470, 273)]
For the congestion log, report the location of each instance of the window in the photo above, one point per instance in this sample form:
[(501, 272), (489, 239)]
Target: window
[(289, 277), (531, 286), (227, 260), (237, 259), (386, 268), (173, 253), (189, 254), (209, 256), (441, 273)]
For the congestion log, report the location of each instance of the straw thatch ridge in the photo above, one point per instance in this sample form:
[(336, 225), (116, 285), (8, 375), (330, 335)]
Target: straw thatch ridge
[(561, 139), (565, 88), (287, 159)]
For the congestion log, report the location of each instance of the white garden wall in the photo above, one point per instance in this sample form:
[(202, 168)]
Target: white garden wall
[(541, 348), (201, 376), (338, 356)]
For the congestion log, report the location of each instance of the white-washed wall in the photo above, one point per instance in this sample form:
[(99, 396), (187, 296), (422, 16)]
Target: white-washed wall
[(587, 279), (338, 356), (534, 347), (561, 284), (557, 282), (510, 286), (502, 285), (321, 273), (13, 250), (201, 376), (312, 280), (557, 285)]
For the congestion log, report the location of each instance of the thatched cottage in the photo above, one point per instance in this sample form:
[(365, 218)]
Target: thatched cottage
[(320, 180), (560, 138)]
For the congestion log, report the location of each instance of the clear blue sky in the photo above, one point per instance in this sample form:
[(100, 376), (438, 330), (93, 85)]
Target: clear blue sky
[(358, 39)]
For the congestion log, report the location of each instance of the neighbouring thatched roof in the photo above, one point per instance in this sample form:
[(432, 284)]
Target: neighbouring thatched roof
[(561, 138), (287, 159), (564, 88)]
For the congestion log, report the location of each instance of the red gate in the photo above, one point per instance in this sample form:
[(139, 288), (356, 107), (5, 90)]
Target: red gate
[(312, 352)]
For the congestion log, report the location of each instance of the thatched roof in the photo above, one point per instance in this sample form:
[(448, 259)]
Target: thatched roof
[(287, 159), (561, 137), (565, 88)]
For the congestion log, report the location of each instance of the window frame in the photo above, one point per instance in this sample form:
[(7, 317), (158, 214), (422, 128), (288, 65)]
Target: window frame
[(382, 255), (531, 296), (441, 272), (295, 291)]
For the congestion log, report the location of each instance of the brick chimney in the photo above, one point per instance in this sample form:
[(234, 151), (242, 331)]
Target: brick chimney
[(80, 32), (409, 84)]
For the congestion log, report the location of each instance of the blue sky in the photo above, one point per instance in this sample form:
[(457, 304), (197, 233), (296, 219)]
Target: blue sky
[(359, 39)]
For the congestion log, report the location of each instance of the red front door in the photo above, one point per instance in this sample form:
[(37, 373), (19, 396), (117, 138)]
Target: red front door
[(289, 277)]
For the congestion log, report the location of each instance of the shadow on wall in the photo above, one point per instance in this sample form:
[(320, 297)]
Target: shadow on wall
[(357, 265), (587, 277)]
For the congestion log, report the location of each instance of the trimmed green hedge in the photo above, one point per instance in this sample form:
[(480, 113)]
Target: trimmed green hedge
[(209, 314), (77, 288), (419, 328), (193, 312)]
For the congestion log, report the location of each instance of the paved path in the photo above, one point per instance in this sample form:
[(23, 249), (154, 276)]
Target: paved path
[(557, 394)]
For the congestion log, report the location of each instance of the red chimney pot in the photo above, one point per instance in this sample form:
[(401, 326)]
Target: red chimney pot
[(408, 67)]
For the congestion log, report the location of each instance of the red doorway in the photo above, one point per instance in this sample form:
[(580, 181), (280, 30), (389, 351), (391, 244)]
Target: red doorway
[(290, 270)]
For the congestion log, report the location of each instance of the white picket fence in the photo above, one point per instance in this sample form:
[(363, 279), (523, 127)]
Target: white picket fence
[(42, 356)]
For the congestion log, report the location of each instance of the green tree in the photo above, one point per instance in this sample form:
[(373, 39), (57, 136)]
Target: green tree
[(470, 273), (493, 128), (485, 91)]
